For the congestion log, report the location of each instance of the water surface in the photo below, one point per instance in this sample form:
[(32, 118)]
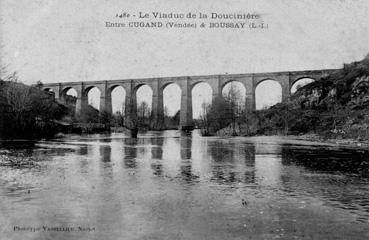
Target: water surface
[(171, 185)]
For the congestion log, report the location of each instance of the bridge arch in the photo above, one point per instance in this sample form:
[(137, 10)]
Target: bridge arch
[(268, 92), (234, 91), (140, 85), (300, 82), (172, 93), (166, 84), (93, 95), (69, 96), (89, 88), (144, 99), (196, 83), (111, 88), (201, 94), (69, 90), (48, 89), (231, 81), (116, 94)]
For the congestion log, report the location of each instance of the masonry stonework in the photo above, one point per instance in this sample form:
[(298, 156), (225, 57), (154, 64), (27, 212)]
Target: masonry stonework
[(250, 81)]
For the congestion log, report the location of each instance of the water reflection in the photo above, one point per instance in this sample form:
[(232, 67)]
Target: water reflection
[(83, 150), (338, 176), (157, 148), (130, 152), (321, 159), (186, 144), (170, 180)]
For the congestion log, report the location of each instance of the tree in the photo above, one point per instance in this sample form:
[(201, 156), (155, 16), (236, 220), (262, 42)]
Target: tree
[(39, 85), (224, 111), (143, 110), (234, 105), (144, 114), (130, 118), (27, 112), (215, 116)]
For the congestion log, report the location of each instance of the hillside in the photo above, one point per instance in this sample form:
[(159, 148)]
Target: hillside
[(336, 106)]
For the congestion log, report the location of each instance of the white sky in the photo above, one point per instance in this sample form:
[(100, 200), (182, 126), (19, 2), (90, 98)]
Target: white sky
[(57, 41)]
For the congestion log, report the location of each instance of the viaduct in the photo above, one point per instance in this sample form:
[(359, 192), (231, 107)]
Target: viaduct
[(250, 81)]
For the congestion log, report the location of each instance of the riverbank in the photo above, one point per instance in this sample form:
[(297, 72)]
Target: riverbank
[(313, 138), (310, 138), (335, 108)]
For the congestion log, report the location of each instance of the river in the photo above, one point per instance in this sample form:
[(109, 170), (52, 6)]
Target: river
[(172, 185)]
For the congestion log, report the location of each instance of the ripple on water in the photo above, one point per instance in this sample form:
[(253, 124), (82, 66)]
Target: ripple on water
[(199, 185)]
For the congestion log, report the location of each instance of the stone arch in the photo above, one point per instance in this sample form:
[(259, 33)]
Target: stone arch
[(170, 83), (93, 99), (65, 91), (201, 93), (230, 81), (48, 89), (69, 96), (194, 84), (264, 97), (294, 84), (89, 88), (267, 79), (238, 93), (174, 98), (112, 87), (117, 97), (139, 85), (146, 95)]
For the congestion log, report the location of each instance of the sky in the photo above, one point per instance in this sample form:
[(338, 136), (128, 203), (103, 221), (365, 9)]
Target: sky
[(59, 41)]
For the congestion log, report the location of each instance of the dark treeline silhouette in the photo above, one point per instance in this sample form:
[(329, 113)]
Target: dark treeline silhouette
[(27, 112)]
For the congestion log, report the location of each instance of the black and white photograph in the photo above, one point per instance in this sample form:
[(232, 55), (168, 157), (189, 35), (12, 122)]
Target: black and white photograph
[(184, 120)]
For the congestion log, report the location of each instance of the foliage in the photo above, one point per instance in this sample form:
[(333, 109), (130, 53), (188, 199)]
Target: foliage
[(27, 112), (337, 105), (171, 122), (334, 106), (144, 116)]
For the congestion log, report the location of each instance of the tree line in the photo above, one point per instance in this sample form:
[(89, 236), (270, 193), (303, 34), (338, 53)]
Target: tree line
[(26, 111)]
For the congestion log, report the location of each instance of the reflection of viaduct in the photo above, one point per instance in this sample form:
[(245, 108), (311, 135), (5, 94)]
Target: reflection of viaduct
[(216, 82)]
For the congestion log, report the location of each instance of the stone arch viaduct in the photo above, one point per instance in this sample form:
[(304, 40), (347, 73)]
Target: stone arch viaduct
[(250, 81)]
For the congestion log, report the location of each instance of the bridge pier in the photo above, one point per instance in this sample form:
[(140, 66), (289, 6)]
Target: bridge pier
[(82, 99), (157, 106), (248, 83), (185, 122), (216, 88), (130, 108), (57, 92), (105, 99), (216, 82), (105, 104), (250, 100), (286, 88)]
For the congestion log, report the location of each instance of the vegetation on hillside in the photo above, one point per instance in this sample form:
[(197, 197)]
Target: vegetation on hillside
[(335, 106)]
